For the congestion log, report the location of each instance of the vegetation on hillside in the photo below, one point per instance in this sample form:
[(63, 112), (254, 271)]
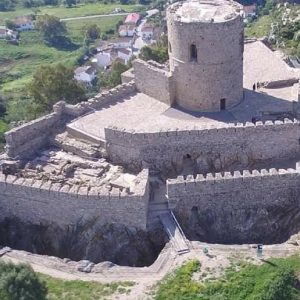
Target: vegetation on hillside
[(157, 51), (275, 279), (20, 282), (280, 23)]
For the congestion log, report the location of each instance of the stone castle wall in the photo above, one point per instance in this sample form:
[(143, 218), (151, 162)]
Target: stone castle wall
[(212, 148), (153, 81), (252, 206), (26, 139), (36, 201), (200, 84), (246, 188), (23, 141)]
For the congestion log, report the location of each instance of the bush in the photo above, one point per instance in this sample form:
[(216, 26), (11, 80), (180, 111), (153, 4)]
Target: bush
[(20, 282)]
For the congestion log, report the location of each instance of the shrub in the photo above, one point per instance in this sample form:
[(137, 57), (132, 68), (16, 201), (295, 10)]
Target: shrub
[(20, 282)]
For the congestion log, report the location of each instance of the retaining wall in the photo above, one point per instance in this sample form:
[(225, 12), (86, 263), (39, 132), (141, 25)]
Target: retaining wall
[(36, 201), (215, 147)]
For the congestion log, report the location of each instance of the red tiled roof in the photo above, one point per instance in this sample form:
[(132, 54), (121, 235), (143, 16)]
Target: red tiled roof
[(132, 18), (249, 9), (22, 20)]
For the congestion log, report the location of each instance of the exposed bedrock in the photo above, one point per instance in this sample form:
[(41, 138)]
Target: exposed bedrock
[(268, 225), (86, 240)]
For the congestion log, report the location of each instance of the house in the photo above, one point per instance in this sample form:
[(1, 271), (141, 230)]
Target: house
[(23, 23), (132, 18), (122, 42), (126, 30), (8, 33), (103, 59), (249, 11), (125, 55), (147, 31), (85, 74)]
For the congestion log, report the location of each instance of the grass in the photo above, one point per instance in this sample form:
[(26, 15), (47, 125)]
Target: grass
[(18, 63), (64, 12), (76, 27), (273, 280), (76, 289), (259, 28)]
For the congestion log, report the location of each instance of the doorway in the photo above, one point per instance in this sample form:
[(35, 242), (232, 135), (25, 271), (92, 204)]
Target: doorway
[(223, 104)]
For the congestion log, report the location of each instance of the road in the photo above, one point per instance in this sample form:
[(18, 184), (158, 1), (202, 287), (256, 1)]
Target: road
[(139, 42), (95, 16)]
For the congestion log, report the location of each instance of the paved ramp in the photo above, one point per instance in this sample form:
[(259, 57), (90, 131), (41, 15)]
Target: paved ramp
[(174, 232)]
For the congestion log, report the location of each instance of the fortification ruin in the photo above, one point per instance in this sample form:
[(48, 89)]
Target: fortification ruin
[(212, 140)]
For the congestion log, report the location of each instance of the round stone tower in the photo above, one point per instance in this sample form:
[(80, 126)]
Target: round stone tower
[(206, 44)]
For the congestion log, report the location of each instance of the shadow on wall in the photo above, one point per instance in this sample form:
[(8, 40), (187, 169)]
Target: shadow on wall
[(86, 240)]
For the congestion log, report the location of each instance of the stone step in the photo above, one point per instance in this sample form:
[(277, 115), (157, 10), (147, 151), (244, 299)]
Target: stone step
[(78, 147), (77, 133)]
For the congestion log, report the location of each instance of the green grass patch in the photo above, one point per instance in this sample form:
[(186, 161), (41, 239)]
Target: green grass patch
[(273, 280), (76, 289), (76, 28), (65, 12), (18, 63), (259, 28)]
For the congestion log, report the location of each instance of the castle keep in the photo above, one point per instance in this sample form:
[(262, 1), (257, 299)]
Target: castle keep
[(215, 131)]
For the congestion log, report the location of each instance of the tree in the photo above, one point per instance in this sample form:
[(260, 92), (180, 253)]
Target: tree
[(70, 3), (20, 282), (10, 24), (52, 83), (51, 27), (7, 5), (92, 32), (114, 78)]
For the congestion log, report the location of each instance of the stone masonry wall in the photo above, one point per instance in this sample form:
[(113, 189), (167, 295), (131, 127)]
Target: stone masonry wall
[(211, 148), (233, 189), (37, 201), (25, 140), (153, 81), (248, 207)]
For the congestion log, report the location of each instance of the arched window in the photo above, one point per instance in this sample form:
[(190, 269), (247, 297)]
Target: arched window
[(170, 47), (193, 53)]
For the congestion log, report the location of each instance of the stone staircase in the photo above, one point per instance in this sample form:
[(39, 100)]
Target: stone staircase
[(175, 233)]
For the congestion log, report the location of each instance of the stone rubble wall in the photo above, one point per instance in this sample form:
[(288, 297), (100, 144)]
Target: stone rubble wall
[(37, 201), (234, 191), (153, 81), (218, 146), (24, 141)]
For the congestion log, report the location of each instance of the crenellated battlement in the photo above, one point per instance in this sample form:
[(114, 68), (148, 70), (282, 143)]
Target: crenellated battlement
[(37, 200)]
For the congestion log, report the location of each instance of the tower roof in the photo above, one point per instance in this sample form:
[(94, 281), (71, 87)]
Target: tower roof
[(206, 11)]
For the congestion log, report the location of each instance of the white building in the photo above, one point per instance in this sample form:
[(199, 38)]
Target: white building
[(126, 30), (249, 11), (125, 55), (147, 31), (23, 23), (103, 59), (7, 33), (85, 74), (122, 42)]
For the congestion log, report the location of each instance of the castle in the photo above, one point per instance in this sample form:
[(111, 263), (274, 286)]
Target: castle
[(215, 131)]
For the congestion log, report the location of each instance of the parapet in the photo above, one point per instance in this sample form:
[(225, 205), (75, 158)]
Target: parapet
[(14, 183), (231, 181), (127, 136)]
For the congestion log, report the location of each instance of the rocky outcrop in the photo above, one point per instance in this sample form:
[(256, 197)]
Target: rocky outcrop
[(86, 240)]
